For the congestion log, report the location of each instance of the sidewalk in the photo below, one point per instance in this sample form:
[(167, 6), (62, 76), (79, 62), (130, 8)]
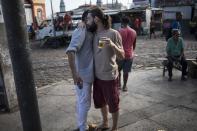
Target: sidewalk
[(152, 103)]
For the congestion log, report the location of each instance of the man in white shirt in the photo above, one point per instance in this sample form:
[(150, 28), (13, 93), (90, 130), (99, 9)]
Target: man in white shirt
[(80, 57)]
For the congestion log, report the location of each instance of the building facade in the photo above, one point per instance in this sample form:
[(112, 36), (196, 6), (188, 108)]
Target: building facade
[(99, 3), (39, 10), (1, 14), (29, 11), (141, 2), (62, 6), (35, 11), (161, 3)]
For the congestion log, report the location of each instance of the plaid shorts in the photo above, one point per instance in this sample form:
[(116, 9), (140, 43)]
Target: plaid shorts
[(105, 92)]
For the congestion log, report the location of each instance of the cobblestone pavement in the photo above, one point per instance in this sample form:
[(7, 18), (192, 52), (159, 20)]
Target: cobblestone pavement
[(51, 65)]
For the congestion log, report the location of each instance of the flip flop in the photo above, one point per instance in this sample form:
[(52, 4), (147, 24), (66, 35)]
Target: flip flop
[(101, 128)]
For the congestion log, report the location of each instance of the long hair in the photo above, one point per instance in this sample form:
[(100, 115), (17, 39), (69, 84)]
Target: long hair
[(105, 19), (84, 15)]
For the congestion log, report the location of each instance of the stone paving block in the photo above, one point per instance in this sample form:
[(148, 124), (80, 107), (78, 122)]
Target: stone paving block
[(150, 96), (144, 125), (152, 110), (134, 101), (57, 116), (179, 119), (10, 122), (155, 83), (127, 119), (57, 107), (61, 120), (192, 106), (159, 96), (182, 100)]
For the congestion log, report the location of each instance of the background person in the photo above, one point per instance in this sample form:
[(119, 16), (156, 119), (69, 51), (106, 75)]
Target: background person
[(129, 43), (175, 53)]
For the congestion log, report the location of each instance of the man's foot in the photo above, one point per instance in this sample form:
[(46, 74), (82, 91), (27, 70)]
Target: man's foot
[(114, 130), (92, 127), (102, 128), (183, 78), (124, 88), (170, 79)]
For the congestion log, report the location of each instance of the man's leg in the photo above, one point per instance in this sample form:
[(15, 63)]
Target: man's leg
[(115, 120), (100, 101), (111, 94), (170, 66), (125, 79), (83, 105), (184, 68), (104, 113), (154, 35), (120, 66), (126, 69), (119, 80)]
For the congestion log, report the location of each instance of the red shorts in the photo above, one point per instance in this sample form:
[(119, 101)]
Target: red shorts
[(105, 92)]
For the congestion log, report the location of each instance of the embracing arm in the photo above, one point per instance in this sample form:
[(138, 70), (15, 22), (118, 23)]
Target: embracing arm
[(117, 46), (71, 60), (74, 46), (118, 51)]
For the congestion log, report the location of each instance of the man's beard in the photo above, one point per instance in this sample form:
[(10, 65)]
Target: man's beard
[(92, 27)]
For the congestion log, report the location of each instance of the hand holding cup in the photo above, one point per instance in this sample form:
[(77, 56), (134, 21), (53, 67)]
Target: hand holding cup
[(105, 41)]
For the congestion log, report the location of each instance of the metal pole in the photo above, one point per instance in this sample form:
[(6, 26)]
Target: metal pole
[(150, 2), (54, 33), (15, 23)]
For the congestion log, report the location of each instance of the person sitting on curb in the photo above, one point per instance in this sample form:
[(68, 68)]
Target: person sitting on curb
[(175, 53)]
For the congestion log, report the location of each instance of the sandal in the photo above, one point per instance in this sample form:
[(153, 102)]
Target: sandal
[(101, 128), (115, 130), (91, 127)]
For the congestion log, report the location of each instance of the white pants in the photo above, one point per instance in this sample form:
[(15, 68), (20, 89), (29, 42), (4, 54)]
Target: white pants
[(83, 104)]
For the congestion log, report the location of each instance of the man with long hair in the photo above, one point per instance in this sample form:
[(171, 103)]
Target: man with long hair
[(107, 46)]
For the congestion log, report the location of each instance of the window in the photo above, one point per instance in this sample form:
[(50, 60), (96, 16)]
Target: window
[(39, 14)]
